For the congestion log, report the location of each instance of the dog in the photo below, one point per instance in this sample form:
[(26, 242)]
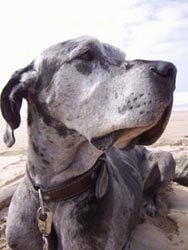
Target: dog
[(87, 109)]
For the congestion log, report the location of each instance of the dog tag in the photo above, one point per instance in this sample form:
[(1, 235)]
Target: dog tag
[(44, 220)]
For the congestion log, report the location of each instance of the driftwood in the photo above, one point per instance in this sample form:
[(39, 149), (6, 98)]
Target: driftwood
[(7, 192)]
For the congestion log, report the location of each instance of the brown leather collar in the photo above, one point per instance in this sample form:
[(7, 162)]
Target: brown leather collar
[(70, 188)]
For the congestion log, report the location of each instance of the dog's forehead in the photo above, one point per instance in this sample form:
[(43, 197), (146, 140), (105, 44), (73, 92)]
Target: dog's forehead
[(86, 42), (71, 48), (113, 52)]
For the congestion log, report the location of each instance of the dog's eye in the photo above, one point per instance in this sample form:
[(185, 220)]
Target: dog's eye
[(87, 55)]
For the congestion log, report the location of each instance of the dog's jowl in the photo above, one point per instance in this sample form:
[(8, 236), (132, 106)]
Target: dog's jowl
[(87, 109)]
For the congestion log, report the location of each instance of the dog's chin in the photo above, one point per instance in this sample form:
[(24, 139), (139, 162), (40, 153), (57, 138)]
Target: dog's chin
[(128, 138)]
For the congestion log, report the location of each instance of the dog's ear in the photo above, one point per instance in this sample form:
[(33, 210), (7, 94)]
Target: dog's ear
[(11, 100)]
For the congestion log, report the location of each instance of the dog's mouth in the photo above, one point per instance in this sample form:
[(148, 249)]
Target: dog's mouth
[(129, 137)]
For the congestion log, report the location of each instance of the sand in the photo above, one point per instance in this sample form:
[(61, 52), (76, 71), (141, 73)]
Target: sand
[(168, 231)]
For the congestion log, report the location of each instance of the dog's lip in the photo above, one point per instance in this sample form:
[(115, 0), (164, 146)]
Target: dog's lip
[(149, 136)]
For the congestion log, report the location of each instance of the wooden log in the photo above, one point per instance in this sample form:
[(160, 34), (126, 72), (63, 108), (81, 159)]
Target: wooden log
[(7, 192)]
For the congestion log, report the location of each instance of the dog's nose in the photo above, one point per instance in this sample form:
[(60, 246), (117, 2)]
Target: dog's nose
[(164, 69)]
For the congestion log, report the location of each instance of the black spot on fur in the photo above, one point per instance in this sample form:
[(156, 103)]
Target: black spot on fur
[(44, 167), (29, 118), (61, 129), (84, 67), (35, 148), (116, 95), (41, 154), (32, 167), (46, 162), (121, 110), (42, 109)]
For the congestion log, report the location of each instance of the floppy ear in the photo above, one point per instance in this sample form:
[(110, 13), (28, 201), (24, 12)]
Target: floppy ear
[(11, 100)]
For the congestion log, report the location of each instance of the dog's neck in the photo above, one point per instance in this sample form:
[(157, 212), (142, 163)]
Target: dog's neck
[(55, 158)]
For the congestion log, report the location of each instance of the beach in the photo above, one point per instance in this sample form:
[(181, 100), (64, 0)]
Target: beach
[(168, 230)]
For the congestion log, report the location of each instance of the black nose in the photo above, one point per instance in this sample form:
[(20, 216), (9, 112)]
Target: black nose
[(164, 69)]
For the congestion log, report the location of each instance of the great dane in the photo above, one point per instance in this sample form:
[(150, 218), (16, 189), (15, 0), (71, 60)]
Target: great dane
[(87, 108)]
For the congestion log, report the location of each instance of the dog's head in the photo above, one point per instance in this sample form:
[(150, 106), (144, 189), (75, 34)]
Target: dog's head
[(88, 86)]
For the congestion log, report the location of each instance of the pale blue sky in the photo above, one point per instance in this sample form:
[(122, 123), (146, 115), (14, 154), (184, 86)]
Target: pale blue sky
[(149, 29)]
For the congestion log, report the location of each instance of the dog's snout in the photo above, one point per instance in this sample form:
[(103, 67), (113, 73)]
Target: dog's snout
[(164, 69)]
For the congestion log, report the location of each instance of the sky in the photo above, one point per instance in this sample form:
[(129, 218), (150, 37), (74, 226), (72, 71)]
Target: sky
[(144, 29)]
